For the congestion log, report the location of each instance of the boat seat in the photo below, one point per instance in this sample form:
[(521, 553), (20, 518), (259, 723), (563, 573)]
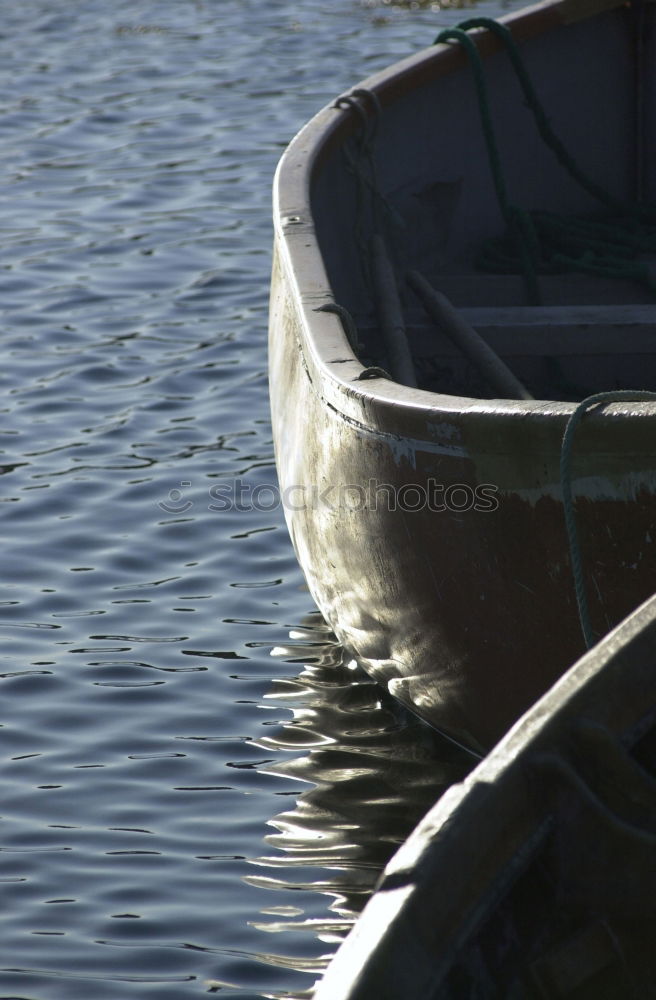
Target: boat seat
[(567, 329), (477, 288)]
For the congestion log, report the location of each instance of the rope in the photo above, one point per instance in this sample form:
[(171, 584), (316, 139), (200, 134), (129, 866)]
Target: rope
[(576, 559), (361, 163), (363, 180), (374, 371), (545, 242), (348, 323), (542, 121), (518, 221)]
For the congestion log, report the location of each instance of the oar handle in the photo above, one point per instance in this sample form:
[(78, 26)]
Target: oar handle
[(390, 315)]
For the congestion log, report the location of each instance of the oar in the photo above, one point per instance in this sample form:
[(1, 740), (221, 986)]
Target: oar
[(479, 352), (390, 315)]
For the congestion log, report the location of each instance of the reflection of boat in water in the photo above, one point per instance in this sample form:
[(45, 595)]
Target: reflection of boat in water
[(535, 878), (372, 771), (427, 516)]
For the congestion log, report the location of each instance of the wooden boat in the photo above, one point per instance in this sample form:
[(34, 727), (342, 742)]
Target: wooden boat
[(429, 520), (535, 878)]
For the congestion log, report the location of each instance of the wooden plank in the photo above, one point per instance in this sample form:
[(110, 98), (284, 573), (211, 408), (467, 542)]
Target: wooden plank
[(634, 314), (481, 289), (562, 330), (540, 330)]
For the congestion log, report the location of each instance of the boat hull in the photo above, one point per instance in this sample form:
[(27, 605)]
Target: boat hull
[(430, 527), (467, 613)]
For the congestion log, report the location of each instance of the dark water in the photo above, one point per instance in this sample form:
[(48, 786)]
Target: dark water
[(176, 821)]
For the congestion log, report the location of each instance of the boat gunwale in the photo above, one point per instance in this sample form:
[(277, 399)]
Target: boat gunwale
[(330, 362)]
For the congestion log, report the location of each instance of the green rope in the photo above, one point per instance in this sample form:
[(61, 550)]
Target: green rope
[(542, 121), (517, 220), (576, 559), (545, 242)]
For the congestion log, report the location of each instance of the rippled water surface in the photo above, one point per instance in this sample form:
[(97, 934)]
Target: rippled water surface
[(153, 840)]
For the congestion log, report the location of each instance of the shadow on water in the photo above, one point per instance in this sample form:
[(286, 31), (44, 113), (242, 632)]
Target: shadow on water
[(372, 771)]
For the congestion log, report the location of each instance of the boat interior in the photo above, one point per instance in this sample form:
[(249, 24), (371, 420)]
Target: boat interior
[(570, 314)]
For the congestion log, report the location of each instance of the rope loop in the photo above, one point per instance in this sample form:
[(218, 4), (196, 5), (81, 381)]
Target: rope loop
[(373, 372), (348, 323), (368, 122)]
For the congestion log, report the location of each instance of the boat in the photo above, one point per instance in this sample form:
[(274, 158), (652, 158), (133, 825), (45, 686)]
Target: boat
[(535, 878), (465, 425)]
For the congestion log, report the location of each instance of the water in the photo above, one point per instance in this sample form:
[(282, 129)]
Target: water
[(149, 750)]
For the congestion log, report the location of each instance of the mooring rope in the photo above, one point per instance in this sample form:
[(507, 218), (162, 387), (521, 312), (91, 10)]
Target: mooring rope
[(573, 539)]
